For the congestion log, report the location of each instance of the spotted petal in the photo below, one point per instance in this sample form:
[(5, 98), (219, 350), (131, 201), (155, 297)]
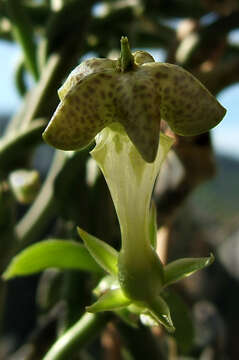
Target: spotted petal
[(187, 106), (87, 67), (101, 99), (85, 110), (97, 94), (138, 108)]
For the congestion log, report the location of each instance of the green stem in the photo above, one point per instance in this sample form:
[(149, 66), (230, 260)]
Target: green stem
[(39, 101), (126, 58), (42, 100), (77, 336), (20, 77), (23, 33)]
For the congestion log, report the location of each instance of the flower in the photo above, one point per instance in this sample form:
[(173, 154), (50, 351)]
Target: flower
[(122, 102), (136, 92)]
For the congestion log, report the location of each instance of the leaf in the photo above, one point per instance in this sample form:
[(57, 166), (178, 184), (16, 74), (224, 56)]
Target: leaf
[(111, 300), (179, 269), (105, 255), (62, 254), (153, 225), (109, 282), (184, 333), (159, 310)]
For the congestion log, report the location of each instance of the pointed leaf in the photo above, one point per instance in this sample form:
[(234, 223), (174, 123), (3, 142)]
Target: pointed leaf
[(153, 225), (62, 254), (105, 255), (182, 268), (159, 310), (112, 300)]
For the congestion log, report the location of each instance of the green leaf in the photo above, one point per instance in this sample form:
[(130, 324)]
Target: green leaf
[(184, 333), (111, 300), (105, 255), (153, 225), (179, 269), (109, 282), (54, 253), (159, 310)]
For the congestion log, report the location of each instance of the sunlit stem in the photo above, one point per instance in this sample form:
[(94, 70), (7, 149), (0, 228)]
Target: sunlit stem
[(76, 337)]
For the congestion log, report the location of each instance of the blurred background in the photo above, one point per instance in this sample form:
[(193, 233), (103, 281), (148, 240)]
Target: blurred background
[(197, 193)]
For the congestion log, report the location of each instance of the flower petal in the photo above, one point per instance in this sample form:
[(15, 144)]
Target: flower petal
[(187, 106), (86, 68), (142, 57), (85, 110), (138, 110)]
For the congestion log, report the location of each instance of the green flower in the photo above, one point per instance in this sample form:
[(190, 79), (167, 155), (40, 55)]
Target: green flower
[(136, 92), (122, 102), (138, 278)]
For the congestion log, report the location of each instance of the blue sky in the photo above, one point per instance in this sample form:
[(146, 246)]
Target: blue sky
[(225, 136)]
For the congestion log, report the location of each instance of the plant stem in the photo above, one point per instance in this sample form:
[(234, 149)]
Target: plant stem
[(77, 336), (126, 57), (23, 33), (20, 81)]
